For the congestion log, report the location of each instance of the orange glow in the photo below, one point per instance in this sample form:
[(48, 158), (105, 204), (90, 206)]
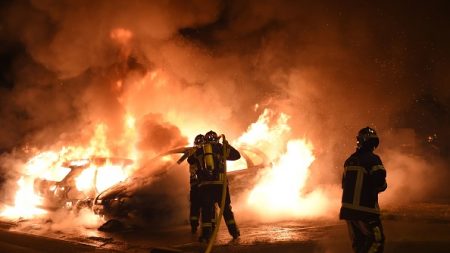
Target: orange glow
[(130, 137), (101, 177), (269, 133), (110, 175), (25, 202), (130, 121), (121, 35), (280, 185), (279, 190), (38, 166), (55, 165), (85, 181)]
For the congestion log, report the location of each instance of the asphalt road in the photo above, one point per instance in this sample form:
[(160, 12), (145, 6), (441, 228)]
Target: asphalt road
[(408, 229)]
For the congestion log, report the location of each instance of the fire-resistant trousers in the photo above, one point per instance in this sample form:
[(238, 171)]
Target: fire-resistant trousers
[(212, 195), (366, 236), (207, 201), (195, 204), (228, 214)]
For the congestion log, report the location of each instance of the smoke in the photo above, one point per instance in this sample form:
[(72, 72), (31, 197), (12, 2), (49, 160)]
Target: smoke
[(184, 67), (159, 137), (81, 222)]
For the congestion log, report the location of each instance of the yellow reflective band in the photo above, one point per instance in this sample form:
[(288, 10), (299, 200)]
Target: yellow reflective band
[(358, 187), (377, 233), (206, 224), (361, 208), (377, 167), (374, 247), (355, 168), (194, 218), (232, 221), (210, 182)]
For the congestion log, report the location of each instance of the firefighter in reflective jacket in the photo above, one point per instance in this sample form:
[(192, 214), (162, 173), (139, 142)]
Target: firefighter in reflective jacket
[(211, 183), (364, 177), (194, 194)]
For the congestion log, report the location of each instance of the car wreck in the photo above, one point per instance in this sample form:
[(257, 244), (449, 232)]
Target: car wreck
[(78, 182), (139, 196)]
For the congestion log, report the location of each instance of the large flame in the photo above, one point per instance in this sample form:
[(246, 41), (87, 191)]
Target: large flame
[(55, 165), (279, 188), (279, 191), (26, 201)]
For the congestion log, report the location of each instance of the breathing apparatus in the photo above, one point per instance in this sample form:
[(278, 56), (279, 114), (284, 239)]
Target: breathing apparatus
[(224, 193), (208, 155), (208, 158)]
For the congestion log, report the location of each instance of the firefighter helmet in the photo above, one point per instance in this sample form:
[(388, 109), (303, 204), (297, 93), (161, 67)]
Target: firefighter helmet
[(367, 137), (199, 139), (211, 136)]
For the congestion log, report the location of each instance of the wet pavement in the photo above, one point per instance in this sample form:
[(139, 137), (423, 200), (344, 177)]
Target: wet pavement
[(423, 228)]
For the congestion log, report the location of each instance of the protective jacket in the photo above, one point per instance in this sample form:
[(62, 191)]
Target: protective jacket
[(364, 177)]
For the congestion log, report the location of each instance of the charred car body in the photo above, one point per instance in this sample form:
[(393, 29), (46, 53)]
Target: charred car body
[(151, 194), (145, 195), (77, 182)]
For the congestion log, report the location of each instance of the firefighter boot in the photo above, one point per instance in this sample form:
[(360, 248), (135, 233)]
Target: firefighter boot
[(194, 225), (233, 230), (193, 229), (206, 234)]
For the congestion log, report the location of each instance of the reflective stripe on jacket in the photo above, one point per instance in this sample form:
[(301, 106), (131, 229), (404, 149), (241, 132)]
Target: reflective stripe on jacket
[(363, 178)]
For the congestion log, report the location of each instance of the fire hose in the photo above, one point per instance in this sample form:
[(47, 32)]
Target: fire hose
[(224, 193)]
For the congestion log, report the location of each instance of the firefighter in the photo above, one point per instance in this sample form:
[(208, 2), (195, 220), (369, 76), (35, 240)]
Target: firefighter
[(211, 184), (363, 179), (194, 194)]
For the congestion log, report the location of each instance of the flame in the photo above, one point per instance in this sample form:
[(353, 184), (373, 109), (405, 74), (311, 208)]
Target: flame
[(121, 35), (110, 175), (268, 133), (100, 178), (25, 202), (130, 137), (279, 188), (54, 165), (85, 181), (130, 121)]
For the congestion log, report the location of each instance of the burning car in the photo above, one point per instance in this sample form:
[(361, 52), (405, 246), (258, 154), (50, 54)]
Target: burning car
[(114, 189), (78, 182), (144, 195)]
